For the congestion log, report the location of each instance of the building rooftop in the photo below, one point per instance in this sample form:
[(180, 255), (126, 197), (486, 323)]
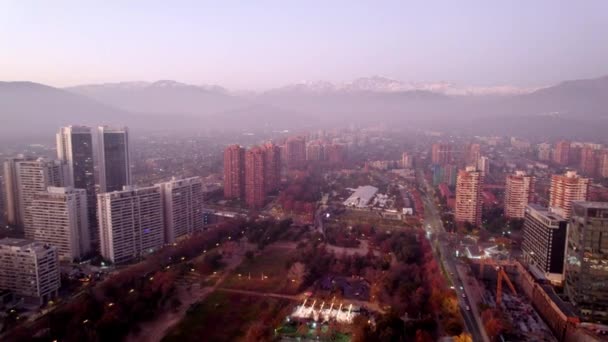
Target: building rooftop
[(546, 212), (361, 197), (566, 307), (12, 242), (588, 204), (23, 245)]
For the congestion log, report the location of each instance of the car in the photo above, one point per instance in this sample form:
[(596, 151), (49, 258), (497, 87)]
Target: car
[(464, 295), (468, 308)]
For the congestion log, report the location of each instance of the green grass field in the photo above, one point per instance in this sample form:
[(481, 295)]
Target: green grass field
[(226, 317), (270, 263)]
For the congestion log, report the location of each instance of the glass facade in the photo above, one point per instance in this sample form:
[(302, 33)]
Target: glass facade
[(587, 259), (116, 160)]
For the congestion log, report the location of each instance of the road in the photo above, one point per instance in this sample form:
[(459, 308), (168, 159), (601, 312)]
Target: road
[(434, 225)]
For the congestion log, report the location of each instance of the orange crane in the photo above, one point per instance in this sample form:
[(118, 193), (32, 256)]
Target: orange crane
[(502, 275), (489, 261)]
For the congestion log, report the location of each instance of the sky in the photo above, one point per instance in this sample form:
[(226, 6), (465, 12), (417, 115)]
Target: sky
[(258, 45)]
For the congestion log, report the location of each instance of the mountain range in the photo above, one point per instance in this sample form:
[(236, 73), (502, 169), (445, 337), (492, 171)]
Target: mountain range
[(571, 108)]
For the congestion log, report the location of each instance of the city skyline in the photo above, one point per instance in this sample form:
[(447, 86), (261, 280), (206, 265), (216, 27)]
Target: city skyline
[(314, 171)]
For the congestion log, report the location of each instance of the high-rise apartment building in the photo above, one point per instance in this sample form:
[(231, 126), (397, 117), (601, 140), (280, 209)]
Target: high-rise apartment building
[(445, 174), (113, 158), (11, 191), (586, 270), (234, 172), (468, 203), (602, 164), (315, 151), (406, 160), (75, 148), (561, 152), (183, 207), (29, 269), (544, 241), (255, 171), (544, 152), (441, 153), (272, 155), (565, 189), (519, 191), (34, 176), (588, 161), (472, 154), (60, 218), (295, 152), (483, 165), (130, 223)]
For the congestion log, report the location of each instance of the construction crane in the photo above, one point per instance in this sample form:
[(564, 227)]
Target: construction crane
[(502, 275), (486, 260)]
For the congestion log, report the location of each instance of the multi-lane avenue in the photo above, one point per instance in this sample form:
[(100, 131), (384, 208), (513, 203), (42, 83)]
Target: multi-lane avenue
[(434, 227)]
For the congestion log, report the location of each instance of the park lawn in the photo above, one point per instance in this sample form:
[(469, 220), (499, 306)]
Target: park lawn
[(270, 263), (226, 316)]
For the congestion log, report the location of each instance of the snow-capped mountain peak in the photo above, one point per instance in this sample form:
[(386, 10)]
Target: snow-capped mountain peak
[(383, 84), (375, 84)]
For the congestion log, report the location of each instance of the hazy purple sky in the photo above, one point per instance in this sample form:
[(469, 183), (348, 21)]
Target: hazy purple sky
[(263, 44)]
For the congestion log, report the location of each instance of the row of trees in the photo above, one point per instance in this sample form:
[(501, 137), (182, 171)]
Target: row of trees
[(319, 262), (494, 322), (340, 235), (109, 310), (404, 277)]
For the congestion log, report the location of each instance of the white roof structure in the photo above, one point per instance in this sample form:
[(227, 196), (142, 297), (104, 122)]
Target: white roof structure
[(361, 197)]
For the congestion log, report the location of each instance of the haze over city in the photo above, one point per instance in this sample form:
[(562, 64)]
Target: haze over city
[(303, 171)]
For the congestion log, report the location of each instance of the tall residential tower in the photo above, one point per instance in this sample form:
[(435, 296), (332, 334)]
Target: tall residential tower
[(255, 177), (565, 189), (234, 172), (272, 155), (34, 176), (183, 207), (60, 218), (75, 148), (130, 223), (469, 184), (113, 158), (519, 191), (587, 259)]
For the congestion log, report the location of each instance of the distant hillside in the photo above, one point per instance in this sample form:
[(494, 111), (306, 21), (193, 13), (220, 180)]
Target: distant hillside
[(572, 108), (165, 97), (28, 108)]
